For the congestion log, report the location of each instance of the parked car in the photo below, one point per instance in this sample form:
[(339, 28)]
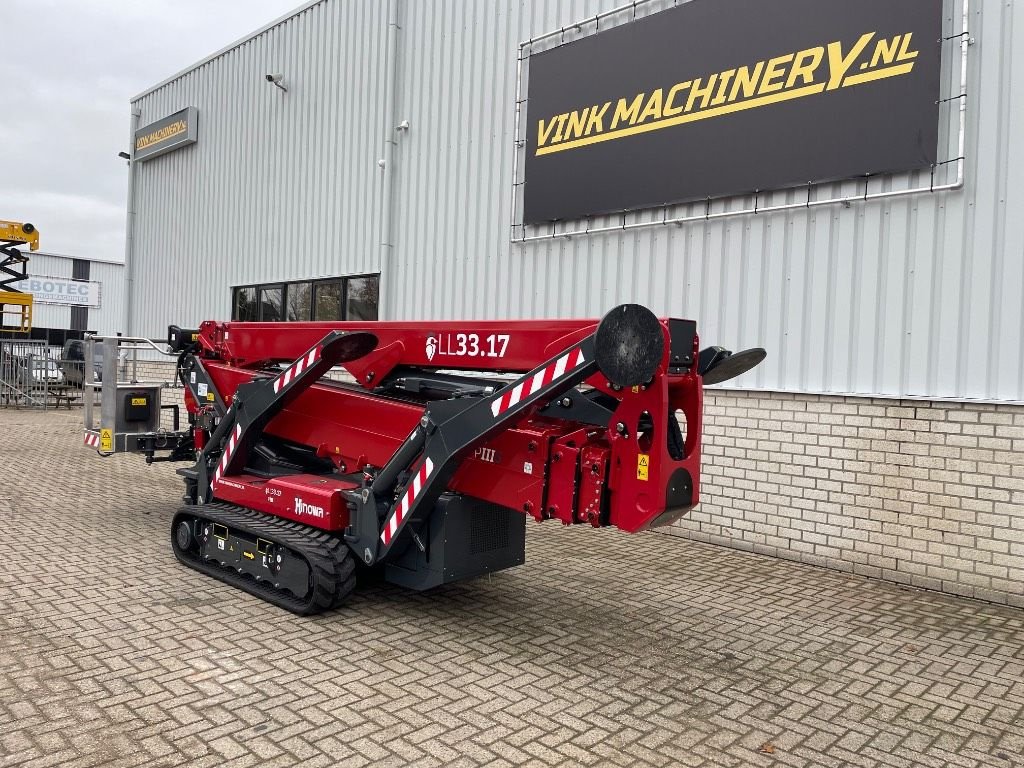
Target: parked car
[(72, 362), (73, 365), (45, 371), (30, 371)]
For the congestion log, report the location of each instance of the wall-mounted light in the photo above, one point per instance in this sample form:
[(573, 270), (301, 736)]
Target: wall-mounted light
[(277, 80), (124, 155)]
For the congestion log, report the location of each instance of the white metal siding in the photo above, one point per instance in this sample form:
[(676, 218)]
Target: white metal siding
[(45, 265), (279, 185), (107, 318), (913, 297)]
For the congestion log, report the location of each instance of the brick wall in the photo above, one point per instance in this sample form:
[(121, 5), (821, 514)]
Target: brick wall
[(923, 493)]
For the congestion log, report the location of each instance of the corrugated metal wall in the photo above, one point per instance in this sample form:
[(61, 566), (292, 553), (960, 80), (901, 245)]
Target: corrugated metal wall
[(45, 265), (280, 185), (911, 297), (106, 319)]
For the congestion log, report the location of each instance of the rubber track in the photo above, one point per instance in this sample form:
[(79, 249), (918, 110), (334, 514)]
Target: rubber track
[(330, 560)]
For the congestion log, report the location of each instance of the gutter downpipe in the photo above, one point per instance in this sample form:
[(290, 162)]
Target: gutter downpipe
[(129, 231), (387, 286)]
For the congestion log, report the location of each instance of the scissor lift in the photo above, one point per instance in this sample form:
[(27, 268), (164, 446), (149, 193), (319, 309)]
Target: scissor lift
[(15, 305)]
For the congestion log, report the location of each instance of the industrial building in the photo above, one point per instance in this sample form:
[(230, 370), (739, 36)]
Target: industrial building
[(71, 294), (373, 160)]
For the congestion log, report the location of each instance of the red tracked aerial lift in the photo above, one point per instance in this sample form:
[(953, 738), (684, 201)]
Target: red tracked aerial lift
[(427, 464)]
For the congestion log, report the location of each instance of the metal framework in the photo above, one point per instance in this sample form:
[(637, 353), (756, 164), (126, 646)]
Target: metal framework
[(520, 232), (417, 426), (21, 364), (420, 453), (13, 268), (115, 365)]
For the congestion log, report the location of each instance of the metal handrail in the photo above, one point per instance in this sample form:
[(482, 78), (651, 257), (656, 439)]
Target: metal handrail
[(133, 340), (129, 344)]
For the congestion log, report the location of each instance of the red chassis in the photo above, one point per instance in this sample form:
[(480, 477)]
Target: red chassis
[(595, 452)]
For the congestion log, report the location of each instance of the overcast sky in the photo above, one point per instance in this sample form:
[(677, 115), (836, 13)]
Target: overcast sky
[(68, 69)]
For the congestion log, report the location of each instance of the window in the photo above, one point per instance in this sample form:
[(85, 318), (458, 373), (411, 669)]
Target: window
[(328, 300), (271, 302), (362, 298), (335, 298), (300, 301), (245, 304)]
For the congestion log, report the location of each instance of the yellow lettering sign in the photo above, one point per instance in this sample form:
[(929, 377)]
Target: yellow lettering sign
[(161, 134), (790, 75), (627, 114)]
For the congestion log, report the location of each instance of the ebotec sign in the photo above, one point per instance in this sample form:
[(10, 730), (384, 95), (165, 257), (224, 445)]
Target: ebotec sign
[(170, 133), (60, 290), (716, 97)]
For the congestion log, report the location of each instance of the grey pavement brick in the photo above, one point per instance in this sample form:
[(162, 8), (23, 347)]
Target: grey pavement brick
[(603, 650)]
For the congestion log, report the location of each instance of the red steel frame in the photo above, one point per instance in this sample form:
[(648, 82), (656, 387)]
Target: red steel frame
[(546, 467)]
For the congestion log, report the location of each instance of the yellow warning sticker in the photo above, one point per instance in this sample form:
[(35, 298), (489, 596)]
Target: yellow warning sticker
[(138, 401), (106, 440), (209, 396), (643, 465)]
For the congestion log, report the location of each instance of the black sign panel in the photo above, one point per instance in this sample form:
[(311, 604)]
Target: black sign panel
[(717, 97), (166, 135)]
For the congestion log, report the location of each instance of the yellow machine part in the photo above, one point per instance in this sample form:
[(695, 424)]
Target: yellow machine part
[(16, 307), (16, 233)]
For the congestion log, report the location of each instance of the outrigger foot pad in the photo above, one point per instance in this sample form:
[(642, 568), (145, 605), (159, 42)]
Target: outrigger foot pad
[(629, 345), (718, 364)]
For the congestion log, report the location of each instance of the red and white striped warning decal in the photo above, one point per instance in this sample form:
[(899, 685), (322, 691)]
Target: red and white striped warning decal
[(403, 507), (92, 440), (228, 450), (296, 368), (567, 363)]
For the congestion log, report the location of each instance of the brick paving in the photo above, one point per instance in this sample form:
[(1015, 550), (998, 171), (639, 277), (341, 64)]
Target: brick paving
[(604, 649)]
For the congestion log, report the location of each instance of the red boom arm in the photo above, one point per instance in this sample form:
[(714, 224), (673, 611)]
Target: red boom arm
[(594, 452)]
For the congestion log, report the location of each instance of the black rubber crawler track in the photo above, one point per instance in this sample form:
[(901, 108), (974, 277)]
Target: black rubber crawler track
[(329, 558)]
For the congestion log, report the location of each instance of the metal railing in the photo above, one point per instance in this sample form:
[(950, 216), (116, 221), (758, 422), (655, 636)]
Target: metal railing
[(132, 360), (34, 375)]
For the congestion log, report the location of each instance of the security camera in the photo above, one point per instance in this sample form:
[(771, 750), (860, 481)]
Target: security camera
[(275, 80)]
